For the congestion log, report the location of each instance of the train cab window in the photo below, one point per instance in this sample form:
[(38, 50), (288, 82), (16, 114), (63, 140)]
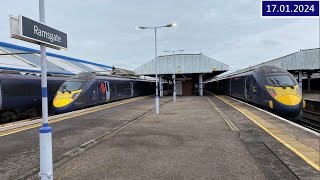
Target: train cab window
[(71, 86), (280, 80)]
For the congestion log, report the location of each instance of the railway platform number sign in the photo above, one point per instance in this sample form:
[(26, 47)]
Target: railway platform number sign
[(32, 31)]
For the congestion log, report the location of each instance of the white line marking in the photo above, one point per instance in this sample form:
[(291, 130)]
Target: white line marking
[(281, 118), (232, 126), (276, 116)]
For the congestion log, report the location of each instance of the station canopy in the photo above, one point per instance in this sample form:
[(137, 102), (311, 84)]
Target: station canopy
[(27, 60), (305, 60), (183, 66)]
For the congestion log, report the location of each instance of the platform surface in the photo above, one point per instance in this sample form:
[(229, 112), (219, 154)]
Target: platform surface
[(188, 140), (194, 138), (19, 150), (312, 95)]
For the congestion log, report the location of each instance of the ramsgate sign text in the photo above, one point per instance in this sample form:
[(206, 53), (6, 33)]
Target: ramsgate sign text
[(32, 31), (49, 36), (45, 34)]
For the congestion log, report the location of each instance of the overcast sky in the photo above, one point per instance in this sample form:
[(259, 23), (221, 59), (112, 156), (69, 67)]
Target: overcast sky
[(103, 31)]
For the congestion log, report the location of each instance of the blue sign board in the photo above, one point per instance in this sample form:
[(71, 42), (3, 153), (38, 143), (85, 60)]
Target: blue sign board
[(290, 8)]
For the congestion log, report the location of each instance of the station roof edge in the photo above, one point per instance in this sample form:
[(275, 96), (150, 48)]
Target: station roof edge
[(13, 46)]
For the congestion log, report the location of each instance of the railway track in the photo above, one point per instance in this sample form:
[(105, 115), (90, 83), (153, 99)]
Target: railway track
[(311, 115), (310, 120)]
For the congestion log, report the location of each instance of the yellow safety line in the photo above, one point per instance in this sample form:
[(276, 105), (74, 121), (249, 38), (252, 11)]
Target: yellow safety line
[(14, 123), (310, 162), (19, 129)]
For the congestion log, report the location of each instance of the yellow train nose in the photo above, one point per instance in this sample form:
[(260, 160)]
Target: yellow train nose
[(289, 99), (61, 102), (64, 98)]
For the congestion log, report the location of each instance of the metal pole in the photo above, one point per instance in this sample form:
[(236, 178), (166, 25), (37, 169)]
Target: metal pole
[(174, 88), (309, 81), (155, 64), (46, 167), (200, 85), (300, 79), (168, 88), (161, 85)]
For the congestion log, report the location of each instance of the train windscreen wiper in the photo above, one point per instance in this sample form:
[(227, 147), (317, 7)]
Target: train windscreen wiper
[(279, 83), (284, 85), (288, 85), (65, 88), (272, 81)]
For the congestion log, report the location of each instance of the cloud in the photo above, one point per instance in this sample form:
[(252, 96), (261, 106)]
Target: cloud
[(270, 44), (103, 31)]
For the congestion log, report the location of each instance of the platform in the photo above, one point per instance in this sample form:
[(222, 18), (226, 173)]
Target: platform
[(191, 140), (312, 95), (210, 137), (19, 146)]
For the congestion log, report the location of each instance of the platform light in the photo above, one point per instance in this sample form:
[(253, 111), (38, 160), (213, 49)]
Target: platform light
[(171, 25), (155, 50), (140, 28)]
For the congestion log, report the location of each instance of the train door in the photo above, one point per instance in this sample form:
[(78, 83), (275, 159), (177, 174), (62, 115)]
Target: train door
[(253, 89), (131, 86), (247, 88), (95, 97), (107, 86), (230, 92), (0, 97)]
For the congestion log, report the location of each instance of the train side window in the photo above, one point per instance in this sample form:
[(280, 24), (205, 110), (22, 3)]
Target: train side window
[(9, 89), (6, 92), (114, 87), (30, 90)]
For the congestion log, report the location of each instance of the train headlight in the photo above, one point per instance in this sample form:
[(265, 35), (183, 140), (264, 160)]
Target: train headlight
[(75, 95), (272, 92), (271, 104)]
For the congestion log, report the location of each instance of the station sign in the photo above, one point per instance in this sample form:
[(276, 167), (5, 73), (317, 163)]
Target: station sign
[(32, 31)]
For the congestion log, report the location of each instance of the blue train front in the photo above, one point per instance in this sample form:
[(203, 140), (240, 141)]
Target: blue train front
[(287, 101), (268, 87), (72, 94), (89, 89), (280, 91)]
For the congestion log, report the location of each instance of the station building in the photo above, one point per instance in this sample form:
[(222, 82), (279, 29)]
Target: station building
[(185, 71)]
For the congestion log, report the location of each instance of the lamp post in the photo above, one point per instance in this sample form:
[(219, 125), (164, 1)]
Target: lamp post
[(155, 54), (173, 51), (46, 166)]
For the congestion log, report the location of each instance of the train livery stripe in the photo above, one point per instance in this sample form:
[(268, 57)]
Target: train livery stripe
[(69, 115), (44, 92), (45, 128), (312, 157)]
